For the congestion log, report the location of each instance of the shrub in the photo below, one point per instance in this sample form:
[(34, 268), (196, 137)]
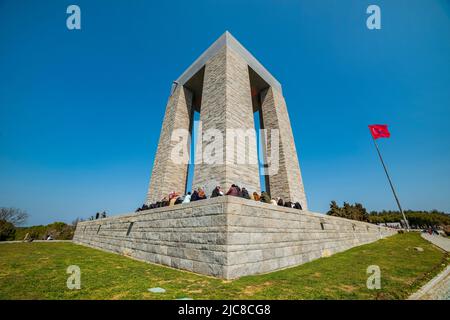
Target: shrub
[(58, 231), (7, 230)]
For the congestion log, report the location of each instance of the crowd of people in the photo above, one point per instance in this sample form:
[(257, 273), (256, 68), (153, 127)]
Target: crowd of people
[(175, 198)]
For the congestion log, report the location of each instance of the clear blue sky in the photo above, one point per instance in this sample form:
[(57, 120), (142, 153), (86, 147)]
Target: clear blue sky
[(81, 111)]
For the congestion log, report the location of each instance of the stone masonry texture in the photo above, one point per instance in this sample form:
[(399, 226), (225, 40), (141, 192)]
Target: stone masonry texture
[(226, 106), (227, 237), (168, 176), (287, 183)]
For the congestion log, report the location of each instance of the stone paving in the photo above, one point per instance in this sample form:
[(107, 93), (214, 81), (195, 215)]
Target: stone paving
[(437, 289), (439, 241)]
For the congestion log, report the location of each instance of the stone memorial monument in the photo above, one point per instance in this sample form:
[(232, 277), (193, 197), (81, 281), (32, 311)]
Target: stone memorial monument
[(227, 236)]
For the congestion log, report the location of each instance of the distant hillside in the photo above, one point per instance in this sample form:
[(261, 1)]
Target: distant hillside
[(58, 231)]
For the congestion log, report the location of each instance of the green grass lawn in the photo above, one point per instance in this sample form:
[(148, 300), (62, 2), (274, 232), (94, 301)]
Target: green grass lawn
[(38, 271)]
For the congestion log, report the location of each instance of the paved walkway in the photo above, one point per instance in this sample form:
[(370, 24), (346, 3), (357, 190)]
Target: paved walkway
[(440, 241), (437, 289)]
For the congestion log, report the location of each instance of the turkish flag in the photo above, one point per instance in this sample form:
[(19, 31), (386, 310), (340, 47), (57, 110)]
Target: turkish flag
[(379, 131)]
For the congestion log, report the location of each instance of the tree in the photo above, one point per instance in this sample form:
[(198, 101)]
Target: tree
[(7, 230), (349, 211), (417, 219), (13, 215), (361, 212), (335, 210)]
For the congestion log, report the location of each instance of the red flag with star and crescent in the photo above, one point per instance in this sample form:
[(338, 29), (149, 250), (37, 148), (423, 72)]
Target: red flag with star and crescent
[(379, 131)]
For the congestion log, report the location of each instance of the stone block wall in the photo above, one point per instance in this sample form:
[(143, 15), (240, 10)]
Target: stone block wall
[(227, 237), (186, 236), (263, 237)]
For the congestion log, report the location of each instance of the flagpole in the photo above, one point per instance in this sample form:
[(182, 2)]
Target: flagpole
[(390, 183)]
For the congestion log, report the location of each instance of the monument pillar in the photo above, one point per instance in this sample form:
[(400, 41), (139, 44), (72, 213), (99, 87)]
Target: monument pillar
[(227, 108), (287, 183), (169, 173)]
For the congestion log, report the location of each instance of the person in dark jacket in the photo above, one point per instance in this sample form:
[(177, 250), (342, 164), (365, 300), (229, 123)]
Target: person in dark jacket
[(265, 197), (245, 193), (194, 196), (165, 202), (179, 200), (217, 192), (288, 204), (280, 202), (239, 191)]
